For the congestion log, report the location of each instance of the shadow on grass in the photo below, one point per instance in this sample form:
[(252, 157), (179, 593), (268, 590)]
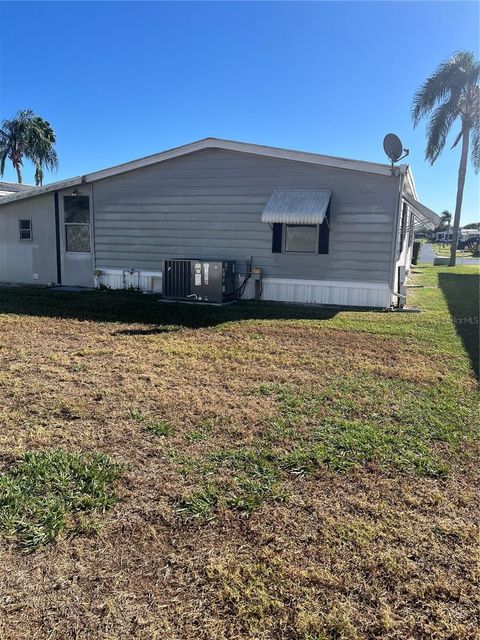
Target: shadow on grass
[(462, 296), (145, 332), (128, 307)]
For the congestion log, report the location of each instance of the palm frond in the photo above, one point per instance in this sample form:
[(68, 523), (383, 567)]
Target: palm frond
[(445, 217), (41, 140), (50, 159), (439, 127), (3, 159), (457, 139), (475, 152), (450, 76)]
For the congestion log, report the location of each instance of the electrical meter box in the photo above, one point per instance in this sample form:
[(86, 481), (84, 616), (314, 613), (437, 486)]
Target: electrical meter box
[(200, 280)]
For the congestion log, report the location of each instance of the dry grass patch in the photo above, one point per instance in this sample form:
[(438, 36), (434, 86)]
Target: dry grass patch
[(290, 473)]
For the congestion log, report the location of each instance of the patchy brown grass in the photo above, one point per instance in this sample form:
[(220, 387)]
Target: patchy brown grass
[(268, 548)]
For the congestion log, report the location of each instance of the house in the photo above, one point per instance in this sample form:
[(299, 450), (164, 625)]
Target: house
[(445, 235), (470, 234), (464, 236), (7, 188), (313, 228)]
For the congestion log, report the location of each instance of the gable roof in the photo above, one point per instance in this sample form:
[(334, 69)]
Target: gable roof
[(213, 143)]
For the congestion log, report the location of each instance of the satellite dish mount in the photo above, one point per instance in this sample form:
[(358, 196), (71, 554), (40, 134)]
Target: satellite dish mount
[(393, 147)]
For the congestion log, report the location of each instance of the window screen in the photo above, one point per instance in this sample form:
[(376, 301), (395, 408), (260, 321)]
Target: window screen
[(301, 238), (78, 238), (25, 228), (77, 223)]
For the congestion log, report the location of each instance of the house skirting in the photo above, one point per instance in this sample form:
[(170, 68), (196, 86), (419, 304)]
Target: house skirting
[(327, 292)]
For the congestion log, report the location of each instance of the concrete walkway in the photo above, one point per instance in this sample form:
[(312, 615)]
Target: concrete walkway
[(427, 254)]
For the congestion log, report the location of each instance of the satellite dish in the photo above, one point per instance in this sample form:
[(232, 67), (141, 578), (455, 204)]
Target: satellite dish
[(393, 147)]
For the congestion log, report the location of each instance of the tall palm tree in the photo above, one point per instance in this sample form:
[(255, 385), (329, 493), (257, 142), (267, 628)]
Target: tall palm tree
[(452, 93), (14, 142), (446, 219), (40, 149), (27, 136)]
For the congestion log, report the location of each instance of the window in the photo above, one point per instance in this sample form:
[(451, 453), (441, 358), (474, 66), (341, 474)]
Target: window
[(301, 238), (25, 228), (77, 223)]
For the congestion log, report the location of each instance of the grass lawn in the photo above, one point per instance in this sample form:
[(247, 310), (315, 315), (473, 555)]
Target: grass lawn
[(256, 472), (444, 251)]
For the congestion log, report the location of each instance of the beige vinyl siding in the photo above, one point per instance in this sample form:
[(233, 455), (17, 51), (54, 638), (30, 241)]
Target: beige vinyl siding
[(208, 205)]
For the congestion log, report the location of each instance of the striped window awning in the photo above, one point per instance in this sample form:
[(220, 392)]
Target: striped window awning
[(297, 206)]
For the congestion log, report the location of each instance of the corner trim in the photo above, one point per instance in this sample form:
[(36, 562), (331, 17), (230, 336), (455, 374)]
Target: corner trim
[(57, 237)]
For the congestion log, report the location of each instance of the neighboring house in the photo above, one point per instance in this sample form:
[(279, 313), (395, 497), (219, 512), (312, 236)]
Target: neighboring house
[(464, 235), (7, 188), (470, 234), (318, 229), (444, 236)]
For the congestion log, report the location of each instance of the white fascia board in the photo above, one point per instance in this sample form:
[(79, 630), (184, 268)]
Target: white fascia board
[(211, 143), (38, 191)]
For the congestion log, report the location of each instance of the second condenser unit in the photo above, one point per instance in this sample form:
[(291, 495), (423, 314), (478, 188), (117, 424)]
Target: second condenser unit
[(200, 280)]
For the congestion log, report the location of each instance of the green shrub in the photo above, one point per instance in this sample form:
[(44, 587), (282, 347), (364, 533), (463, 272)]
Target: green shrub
[(416, 250)]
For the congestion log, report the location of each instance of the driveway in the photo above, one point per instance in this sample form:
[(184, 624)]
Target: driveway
[(427, 254)]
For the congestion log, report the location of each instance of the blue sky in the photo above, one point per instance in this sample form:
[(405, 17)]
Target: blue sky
[(119, 80)]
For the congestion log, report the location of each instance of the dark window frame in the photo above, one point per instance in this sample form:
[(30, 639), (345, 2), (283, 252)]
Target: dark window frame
[(323, 237), (411, 229), (403, 227), (28, 230), (68, 225)]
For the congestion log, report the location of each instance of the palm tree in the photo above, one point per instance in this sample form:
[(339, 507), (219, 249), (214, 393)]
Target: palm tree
[(452, 93), (14, 142), (40, 149), (27, 136), (446, 219)]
